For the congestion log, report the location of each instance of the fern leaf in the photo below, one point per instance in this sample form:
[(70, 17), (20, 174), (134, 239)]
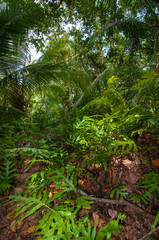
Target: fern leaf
[(126, 147), (4, 186), (6, 176)]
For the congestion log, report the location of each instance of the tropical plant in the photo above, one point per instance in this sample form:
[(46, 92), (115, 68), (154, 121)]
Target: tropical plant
[(92, 91), (59, 221), (112, 227), (7, 173), (120, 192), (19, 81), (110, 24), (96, 135), (150, 183)]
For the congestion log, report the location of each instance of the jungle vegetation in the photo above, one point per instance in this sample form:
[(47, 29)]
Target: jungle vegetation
[(94, 90)]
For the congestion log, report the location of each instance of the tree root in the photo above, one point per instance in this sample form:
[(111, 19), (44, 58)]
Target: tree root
[(117, 202)]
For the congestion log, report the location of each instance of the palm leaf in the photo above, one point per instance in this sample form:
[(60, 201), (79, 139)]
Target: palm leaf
[(91, 90)]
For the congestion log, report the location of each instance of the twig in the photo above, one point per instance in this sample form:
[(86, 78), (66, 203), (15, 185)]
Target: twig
[(117, 202), (149, 234)]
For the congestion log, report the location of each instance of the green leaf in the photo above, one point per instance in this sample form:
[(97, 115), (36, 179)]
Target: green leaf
[(155, 223)]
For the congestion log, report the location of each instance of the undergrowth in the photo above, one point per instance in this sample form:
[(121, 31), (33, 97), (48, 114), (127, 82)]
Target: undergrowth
[(60, 221), (105, 126)]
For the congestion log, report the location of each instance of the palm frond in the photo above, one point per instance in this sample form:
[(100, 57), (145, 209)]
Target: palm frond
[(91, 90), (132, 29)]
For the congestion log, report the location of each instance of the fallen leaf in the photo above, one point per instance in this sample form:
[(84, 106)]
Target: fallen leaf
[(28, 230), (53, 185), (31, 229), (132, 178), (80, 181), (24, 232), (95, 217), (99, 220), (14, 227), (155, 162), (55, 191), (105, 190), (127, 162), (112, 213), (50, 195)]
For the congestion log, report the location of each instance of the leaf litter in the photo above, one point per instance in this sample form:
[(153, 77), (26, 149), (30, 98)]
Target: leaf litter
[(122, 170)]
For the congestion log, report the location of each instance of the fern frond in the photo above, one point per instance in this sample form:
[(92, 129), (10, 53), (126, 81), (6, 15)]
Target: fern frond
[(123, 147), (30, 204), (112, 227), (67, 181), (151, 182), (7, 173), (4, 186), (32, 151)]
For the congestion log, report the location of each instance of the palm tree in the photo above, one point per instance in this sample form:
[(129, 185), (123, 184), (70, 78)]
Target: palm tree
[(20, 81)]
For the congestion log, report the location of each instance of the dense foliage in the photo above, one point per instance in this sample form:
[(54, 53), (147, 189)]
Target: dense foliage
[(91, 95)]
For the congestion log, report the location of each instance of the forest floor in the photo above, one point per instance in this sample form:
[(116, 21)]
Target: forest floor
[(122, 170)]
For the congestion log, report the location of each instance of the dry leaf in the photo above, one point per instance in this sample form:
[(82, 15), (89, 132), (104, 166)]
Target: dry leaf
[(105, 190), (15, 227), (52, 185), (138, 192), (81, 182), (112, 213), (155, 162), (31, 229), (132, 178), (12, 226), (99, 220), (127, 162), (50, 195), (55, 191), (95, 217)]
